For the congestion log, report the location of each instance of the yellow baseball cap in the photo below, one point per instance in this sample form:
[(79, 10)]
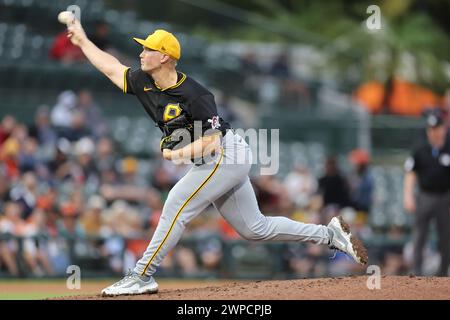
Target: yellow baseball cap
[(162, 41)]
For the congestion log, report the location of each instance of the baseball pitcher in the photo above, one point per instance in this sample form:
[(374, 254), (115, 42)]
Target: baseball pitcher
[(219, 175)]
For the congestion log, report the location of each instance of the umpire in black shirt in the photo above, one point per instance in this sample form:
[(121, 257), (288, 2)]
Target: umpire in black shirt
[(429, 167)]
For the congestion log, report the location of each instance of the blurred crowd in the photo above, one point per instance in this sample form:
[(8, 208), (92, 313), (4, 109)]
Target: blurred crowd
[(99, 33), (271, 80), (279, 78), (61, 177), (67, 196)]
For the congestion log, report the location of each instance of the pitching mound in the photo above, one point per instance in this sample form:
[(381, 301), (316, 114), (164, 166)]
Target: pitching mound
[(354, 288)]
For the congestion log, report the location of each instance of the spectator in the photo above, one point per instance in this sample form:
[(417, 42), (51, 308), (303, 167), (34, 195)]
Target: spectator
[(104, 154), (185, 261), (100, 37), (60, 165), (43, 132), (152, 209), (25, 193), (20, 133), (130, 175), (10, 224), (162, 180), (94, 121), (6, 127), (61, 114), (270, 193), (4, 189), (125, 221), (249, 63), (35, 249), (84, 171), (333, 187), (41, 129), (446, 110), (210, 250), (109, 177), (300, 185), (9, 156), (63, 50), (91, 219), (280, 67), (69, 226), (28, 156), (78, 128), (361, 181), (11, 150)]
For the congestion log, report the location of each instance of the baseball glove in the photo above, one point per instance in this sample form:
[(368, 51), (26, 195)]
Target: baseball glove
[(167, 143), (172, 133)]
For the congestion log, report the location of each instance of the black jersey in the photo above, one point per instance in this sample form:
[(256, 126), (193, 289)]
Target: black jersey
[(432, 167), (186, 96)]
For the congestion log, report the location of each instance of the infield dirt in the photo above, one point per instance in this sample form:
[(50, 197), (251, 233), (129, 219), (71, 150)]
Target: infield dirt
[(342, 288)]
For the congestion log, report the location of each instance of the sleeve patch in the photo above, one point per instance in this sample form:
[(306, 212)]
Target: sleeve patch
[(215, 123), (409, 164)]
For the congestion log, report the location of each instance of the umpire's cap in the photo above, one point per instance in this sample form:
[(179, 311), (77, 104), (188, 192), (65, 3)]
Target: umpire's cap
[(162, 41), (434, 117)]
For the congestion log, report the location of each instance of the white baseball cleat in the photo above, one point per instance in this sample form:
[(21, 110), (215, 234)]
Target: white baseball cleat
[(344, 241), (131, 284)]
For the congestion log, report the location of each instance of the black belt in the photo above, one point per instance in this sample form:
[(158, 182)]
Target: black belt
[(435, 192)]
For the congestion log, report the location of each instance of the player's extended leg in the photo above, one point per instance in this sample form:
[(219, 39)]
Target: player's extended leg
[(240, 208)]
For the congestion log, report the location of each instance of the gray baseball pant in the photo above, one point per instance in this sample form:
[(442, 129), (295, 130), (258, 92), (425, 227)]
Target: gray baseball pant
[(429, 207), (225, 184)]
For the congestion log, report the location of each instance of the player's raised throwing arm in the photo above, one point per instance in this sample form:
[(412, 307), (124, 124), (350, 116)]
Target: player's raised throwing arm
[(104, 62)]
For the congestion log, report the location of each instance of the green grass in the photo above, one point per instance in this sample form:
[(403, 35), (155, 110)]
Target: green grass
[(33, 289), (36, 289), (32, 295)]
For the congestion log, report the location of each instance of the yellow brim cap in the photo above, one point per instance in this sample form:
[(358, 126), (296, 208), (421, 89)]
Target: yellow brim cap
[(172, 51), (144, 43)]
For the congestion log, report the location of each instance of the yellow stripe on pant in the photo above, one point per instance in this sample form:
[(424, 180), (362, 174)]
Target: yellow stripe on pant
[(181, 209)]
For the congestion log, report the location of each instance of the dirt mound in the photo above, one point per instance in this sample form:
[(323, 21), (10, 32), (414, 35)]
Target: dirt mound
[(343, 288)]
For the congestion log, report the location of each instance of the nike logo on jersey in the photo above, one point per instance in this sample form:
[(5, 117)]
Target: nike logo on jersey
[(147, 89)]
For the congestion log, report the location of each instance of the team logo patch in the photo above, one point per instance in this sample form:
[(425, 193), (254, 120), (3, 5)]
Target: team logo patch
[(409, 164), (214, 122), (171, 110), (445, 159)]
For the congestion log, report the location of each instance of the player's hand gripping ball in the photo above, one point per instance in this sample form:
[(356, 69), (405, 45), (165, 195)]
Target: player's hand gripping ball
[(66, 17)]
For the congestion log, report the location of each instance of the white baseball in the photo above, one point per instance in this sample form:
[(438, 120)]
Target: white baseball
[(65, 17)]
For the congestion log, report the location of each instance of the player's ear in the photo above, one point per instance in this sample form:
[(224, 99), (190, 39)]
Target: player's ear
[(165, 59)]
